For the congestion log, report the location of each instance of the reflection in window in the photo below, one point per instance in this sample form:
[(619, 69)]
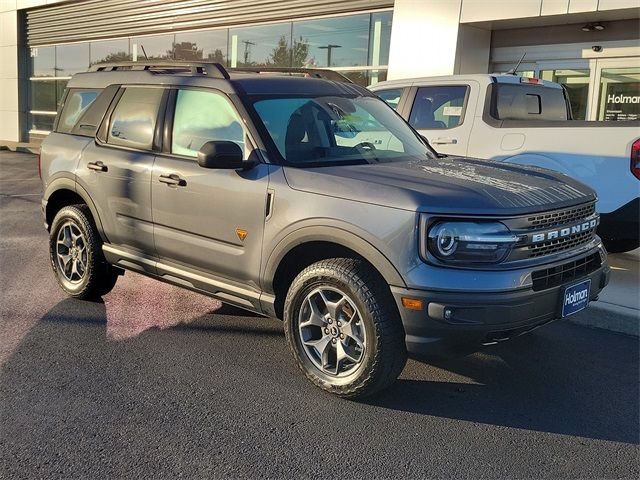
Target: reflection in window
[(110, 51), (201, 117), (43, 96), (576, 83), (380, 38), (334, 42), (391, 96), (209, 46), (43, 61), (71, 59), (438, 107), (619, 94), (76, 104), (262, 46), (42, 122), (134, 118), (365, 77), (152, 48)]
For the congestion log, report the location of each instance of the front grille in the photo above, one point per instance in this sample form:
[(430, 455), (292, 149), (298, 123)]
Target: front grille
[(560, 244), (561, 217), (552, 277)]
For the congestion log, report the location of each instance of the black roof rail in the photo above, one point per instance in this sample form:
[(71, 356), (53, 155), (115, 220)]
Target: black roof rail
[(324, 73), (214, 70)]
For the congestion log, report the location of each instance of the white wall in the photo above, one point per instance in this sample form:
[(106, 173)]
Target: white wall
[(424, 36), (9, 116)]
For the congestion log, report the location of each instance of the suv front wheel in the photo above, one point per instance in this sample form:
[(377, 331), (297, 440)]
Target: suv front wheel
[(75, 249), (343, 328)]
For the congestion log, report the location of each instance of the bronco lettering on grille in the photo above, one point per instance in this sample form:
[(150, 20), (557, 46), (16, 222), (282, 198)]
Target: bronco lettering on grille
[(565, 232)]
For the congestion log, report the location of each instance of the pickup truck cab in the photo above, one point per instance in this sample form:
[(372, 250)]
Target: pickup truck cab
[(249, 188), (527, 121)]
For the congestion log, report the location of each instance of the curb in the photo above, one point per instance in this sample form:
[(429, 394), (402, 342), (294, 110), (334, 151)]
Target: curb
[(611, 317)]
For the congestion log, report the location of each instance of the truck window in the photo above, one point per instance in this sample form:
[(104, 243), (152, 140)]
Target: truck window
[(438, 107), (528, 102), (75, 105), (391, 96), (201, 117), (133, 121)]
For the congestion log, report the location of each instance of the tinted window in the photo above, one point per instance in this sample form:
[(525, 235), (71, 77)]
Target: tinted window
[(75, 105), (201, 117), (438, 107), (43, 61), (154, 48), (134, 119), (110, 51), (263, 45), (392, 97), (327, 130), (528, 102)]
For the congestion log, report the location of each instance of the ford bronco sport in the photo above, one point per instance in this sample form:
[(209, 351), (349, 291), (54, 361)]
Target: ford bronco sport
[(309, 199)]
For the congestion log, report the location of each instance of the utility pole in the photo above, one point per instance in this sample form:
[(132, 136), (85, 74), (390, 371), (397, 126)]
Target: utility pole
[(328, 48), (247, 50)]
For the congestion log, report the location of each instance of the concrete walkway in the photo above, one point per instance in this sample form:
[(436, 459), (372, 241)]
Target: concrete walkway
[(619, 305)]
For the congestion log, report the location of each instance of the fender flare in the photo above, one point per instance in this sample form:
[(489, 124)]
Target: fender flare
[(337, 236), (66, 183)]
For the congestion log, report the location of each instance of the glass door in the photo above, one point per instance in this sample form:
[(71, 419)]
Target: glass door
[(576, 78), (618, 97)]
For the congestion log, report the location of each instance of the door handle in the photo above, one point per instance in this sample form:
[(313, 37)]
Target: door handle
[(444, 141), (97, 166), (173, 180)]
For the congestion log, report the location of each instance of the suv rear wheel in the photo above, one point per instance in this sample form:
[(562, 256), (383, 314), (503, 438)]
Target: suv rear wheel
[(343, 328), (75, 249)]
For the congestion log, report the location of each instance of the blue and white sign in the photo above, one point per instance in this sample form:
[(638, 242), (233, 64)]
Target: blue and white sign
[(576, 297)]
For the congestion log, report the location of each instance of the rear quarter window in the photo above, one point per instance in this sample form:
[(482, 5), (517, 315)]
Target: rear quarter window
[(77, 102), (528, 102)]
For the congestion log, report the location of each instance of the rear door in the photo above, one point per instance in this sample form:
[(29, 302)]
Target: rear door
[(444, 114), (211, 220), (116, 169)]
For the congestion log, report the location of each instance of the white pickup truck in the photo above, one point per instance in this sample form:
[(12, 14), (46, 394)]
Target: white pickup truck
[(528, 121)]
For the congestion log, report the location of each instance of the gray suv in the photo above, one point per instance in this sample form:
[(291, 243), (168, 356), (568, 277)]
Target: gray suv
[(305, 197)]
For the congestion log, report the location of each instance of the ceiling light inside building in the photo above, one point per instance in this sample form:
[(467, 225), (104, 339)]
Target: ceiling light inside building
[(592, 27)]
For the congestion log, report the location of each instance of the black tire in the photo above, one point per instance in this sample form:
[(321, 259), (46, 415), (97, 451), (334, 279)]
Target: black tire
[(621, 245), (384, 355), (98, 277)]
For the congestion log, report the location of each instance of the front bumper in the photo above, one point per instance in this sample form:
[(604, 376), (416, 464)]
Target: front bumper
[(483, 318)]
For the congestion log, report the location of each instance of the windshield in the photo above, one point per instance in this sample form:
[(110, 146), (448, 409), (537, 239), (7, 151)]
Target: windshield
[(329, 130)]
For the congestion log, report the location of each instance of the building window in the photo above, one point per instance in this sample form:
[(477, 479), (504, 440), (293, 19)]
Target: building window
[(206, 46), (619, 94), (264, 45), (355, 45), (576, 82), (110, 51)]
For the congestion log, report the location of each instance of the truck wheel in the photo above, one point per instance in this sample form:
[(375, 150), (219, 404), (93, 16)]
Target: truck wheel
[(343, 328), (75, 249)]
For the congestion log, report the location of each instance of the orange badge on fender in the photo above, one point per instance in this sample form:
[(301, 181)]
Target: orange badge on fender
[(242, 233)]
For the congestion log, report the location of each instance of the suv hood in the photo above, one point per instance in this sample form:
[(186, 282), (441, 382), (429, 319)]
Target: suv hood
[(452, 185)]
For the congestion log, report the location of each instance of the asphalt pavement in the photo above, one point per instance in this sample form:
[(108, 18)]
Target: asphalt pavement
[(158, 382)]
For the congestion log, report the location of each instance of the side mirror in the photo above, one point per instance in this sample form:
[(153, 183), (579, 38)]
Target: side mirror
[(221, 154)]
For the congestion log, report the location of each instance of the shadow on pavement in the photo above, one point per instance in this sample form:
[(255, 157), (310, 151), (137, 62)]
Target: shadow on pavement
[(563, 379)]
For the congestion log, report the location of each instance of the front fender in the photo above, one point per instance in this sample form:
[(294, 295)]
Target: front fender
[(335, 235)]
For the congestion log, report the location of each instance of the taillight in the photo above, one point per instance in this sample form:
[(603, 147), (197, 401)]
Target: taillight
[(635, 159), (39, 166)]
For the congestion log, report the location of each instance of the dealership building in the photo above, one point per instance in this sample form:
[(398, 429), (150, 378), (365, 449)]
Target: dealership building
[(591, 46)]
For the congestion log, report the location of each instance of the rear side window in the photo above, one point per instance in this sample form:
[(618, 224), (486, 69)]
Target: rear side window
[(528, 102), (202, 117), (392, 96), (76, 103), (438, 107), (133, 121)]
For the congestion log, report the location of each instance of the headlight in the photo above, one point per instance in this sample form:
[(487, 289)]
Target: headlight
[(470, 242)]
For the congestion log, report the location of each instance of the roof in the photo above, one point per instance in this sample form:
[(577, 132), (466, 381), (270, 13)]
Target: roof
[(484, 78)]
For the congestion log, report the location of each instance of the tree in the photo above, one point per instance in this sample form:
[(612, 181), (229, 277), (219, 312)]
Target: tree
[(284, 56), (114, 57)]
